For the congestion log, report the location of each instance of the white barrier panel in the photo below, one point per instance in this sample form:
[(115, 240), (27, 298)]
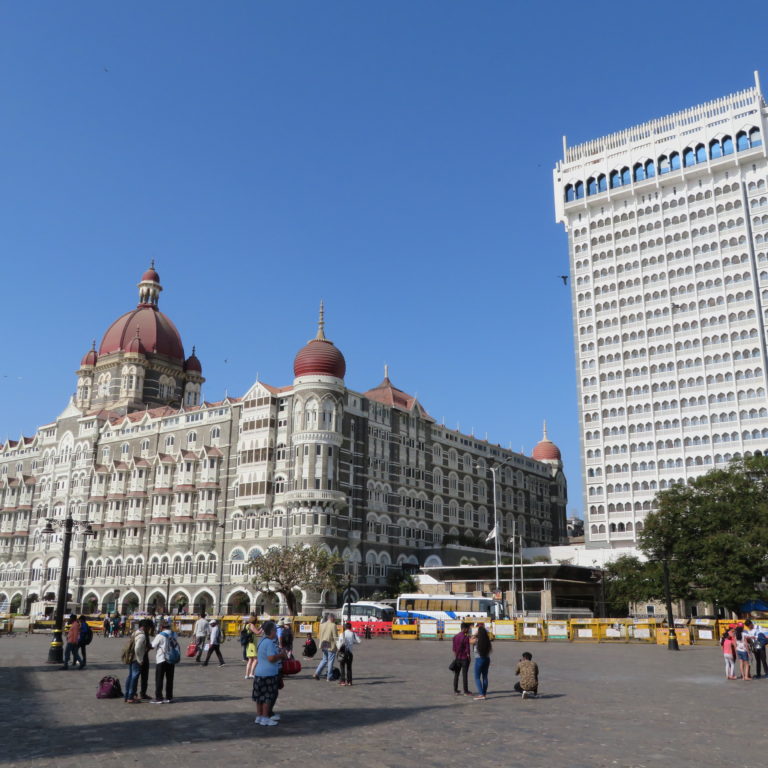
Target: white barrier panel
[(451, 628), (557, 630), (304, 628), (427, 628)]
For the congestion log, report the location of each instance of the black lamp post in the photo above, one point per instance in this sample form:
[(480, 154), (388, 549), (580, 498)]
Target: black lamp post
[(56, 650)]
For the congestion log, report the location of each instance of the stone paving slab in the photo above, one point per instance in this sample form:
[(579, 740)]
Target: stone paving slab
[(629, 706)]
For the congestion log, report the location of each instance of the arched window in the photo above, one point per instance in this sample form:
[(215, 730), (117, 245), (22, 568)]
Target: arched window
[(674, 161), (715, 150), (602, 183), (591, 186), (689, 157), (615, 179), (638, 172), (701, 154), (742, 141), (650, 170), (579, 190), (570, 195), (626, 176), (755, 139), (727, 145), (664, 166)]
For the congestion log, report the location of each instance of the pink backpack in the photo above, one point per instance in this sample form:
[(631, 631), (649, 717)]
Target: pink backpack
[(109, 688)]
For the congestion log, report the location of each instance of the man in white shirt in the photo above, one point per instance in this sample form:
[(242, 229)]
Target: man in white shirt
[(758, 637), (201, 632), (214, 640)]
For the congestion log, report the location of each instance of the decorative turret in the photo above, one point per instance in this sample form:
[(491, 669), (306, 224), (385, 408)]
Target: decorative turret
[(546, 450), (319, 357), (90, 358), (149, 287)]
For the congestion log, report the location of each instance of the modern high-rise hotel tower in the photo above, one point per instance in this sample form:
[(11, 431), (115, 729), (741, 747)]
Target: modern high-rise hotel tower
[(667, 228)]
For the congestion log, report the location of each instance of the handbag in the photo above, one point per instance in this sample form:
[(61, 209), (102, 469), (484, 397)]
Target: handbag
[(191, 650), (455, 665), (291, 667)]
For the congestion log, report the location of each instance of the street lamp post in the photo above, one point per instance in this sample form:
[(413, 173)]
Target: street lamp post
[(496, 531), (56, 650)]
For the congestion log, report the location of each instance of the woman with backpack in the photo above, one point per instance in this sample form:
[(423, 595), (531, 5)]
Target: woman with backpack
[(167, 655), (483, 648)]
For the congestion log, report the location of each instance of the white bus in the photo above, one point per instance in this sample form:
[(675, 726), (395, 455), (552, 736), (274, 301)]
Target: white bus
[(367, 611), (443, 607)]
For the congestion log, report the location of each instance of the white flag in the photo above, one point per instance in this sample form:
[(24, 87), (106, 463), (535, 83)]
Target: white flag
[(491, 535)]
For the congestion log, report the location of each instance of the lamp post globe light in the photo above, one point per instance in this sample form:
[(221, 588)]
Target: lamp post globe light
[(56, 650)]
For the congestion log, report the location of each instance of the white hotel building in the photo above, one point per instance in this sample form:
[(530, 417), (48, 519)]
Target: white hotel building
[(667, 228)]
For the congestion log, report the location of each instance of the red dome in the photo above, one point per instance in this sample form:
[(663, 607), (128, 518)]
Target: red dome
[(150, 276), (193, 364), (546, 449), (321, 358), (156, 331), (90, 357)]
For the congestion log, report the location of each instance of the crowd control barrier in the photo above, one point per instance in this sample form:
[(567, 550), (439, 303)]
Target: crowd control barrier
[(705, 631), (682, 633), (531, 630), (504, 629), (614, 630), (557, 630), (642, 631), (585, 631), (405, 631)]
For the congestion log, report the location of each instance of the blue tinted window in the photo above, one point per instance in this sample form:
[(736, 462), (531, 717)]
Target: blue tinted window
[(579, 190), (715, 150), (701, 154), (688, 157), (569, 195), (727, 145), (639, 173), (615, 179), (742, 141), (626, 176), (674, 161), (591, 187), (754, 138), (602, 183), (650, 171), (664, 165)]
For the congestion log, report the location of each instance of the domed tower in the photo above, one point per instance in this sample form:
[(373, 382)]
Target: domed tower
[(140, 361), (547, 451), (316, 424)]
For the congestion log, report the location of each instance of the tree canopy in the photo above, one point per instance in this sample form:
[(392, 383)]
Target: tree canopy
[(285, 569), (714, 532)]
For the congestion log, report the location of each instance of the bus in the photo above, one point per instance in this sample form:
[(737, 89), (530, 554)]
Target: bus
[(444, 607), (367, 611)]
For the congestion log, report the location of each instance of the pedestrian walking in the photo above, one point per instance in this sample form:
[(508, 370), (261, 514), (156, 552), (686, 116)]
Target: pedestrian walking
[(327, 636), (346, 643), (266, 679), (201, 632), (86, 635), (252, 632), (116, 625), (462, 654), (107, 625), (483, 648), (528, 670), (214, 643), (742, 653), (72, 645), (136, 655), (166, 646)]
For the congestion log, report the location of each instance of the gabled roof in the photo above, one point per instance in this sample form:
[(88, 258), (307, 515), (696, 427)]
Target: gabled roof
[(388, 394)]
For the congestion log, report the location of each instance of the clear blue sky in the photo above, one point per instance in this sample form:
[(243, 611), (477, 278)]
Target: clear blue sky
[(393, 158)]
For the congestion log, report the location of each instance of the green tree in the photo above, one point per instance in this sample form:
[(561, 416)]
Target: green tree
[(285, 569), (630, 580), (714, 531)]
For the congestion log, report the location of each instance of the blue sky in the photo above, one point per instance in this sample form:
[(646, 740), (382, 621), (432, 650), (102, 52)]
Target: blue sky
[(394, 159)]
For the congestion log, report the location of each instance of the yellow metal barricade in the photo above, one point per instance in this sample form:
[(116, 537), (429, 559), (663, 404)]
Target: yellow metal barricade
[(530, 630), (642, 631), (613, 630), (585, 631), (505, 629), (405, 631), (705, 631), (304, 625), (557, 630)]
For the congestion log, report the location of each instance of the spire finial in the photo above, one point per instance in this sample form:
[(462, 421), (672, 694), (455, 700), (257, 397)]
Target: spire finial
[(386, 371), (545, 431), (193, 349), (151, 263), (321, 323), (93, 345)]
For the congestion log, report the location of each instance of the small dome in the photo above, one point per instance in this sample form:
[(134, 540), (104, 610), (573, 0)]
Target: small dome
[(90, 356), (135, 346), (319, 357), (151, 275), (192, 363), (545, 449)]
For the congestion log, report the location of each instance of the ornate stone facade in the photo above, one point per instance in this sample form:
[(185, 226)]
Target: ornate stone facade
[(182, 493)]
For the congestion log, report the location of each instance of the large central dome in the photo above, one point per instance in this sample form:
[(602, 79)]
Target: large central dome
[(156, 331)]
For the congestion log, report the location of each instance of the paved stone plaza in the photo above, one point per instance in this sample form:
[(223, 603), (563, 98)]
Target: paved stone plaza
[(600, 706)]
